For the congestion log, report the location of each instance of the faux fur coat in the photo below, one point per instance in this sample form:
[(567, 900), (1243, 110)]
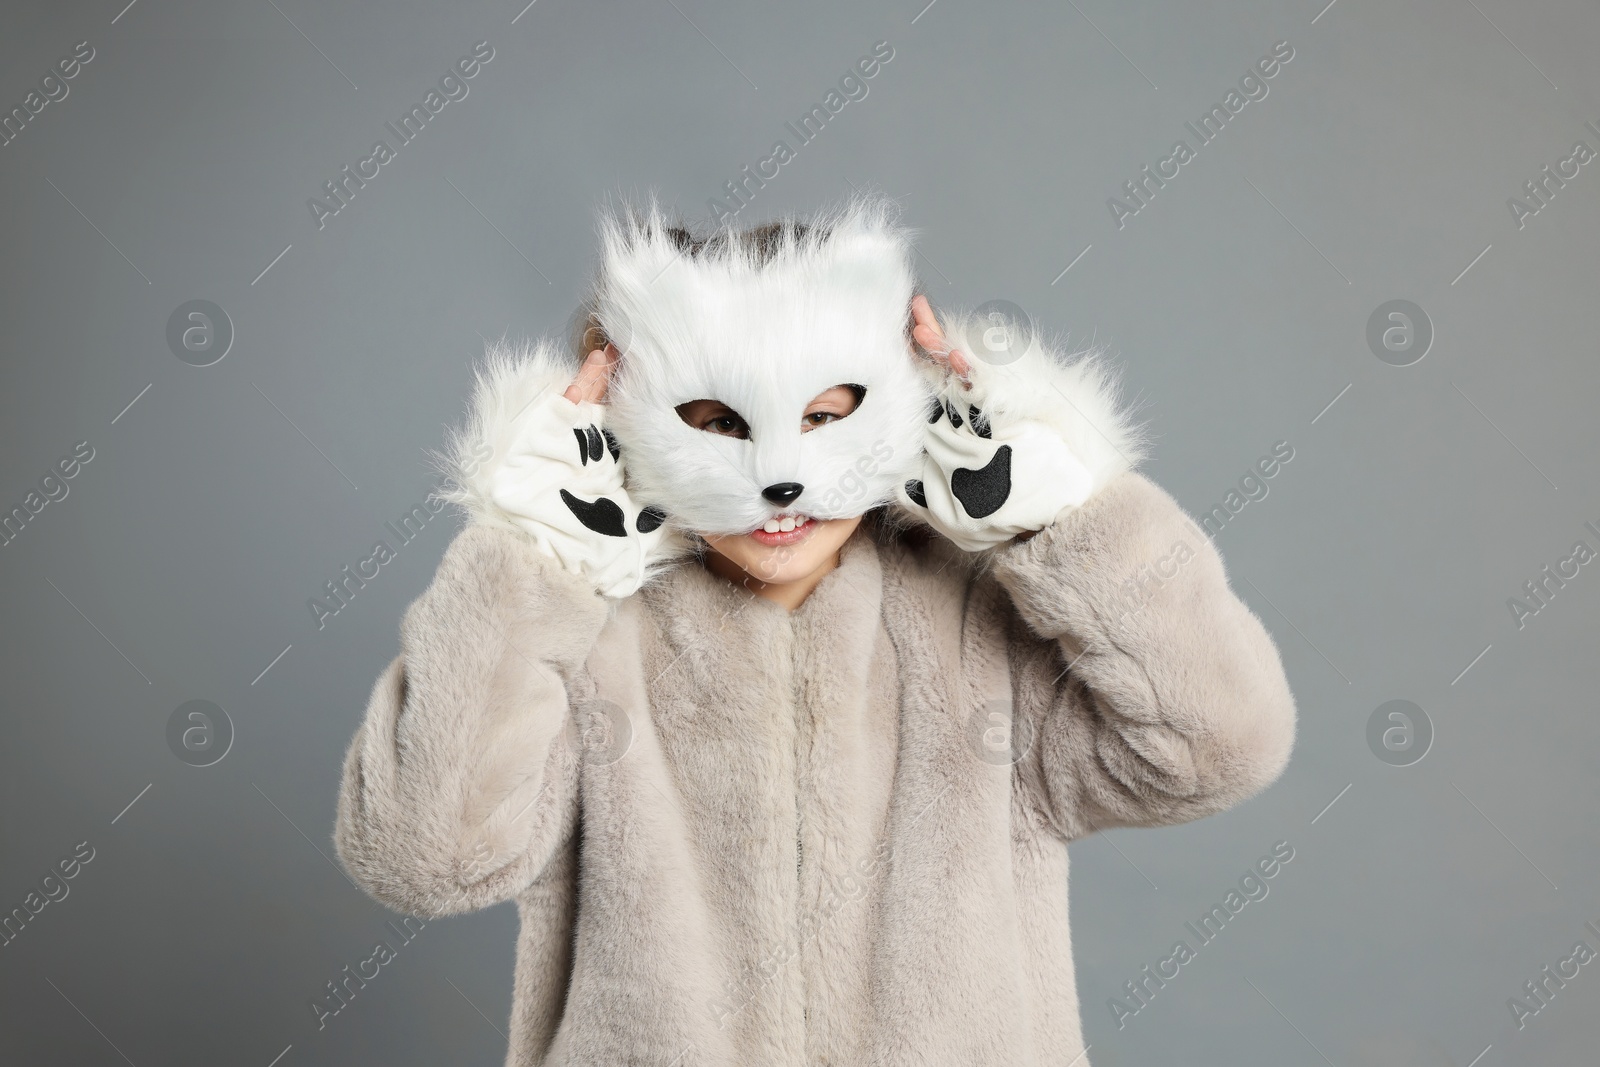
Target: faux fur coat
[(738, 835)]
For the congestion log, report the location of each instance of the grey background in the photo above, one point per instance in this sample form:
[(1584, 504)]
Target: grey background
[(180, 564)]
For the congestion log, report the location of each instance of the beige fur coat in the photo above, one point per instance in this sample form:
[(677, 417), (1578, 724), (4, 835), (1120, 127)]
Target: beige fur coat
[(741, 836)]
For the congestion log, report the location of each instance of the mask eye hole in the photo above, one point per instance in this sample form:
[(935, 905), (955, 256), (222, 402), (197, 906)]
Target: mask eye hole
[(713, 416), (831, 405)]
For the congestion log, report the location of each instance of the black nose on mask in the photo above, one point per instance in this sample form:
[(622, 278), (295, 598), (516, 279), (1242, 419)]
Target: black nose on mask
[(782, 492)]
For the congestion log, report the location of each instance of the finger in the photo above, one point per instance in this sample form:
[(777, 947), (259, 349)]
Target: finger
[(957, 363), (939, 350), (962, 366), (609, 359), (931, 340), (922, 314), (583, 385), (590, 384)]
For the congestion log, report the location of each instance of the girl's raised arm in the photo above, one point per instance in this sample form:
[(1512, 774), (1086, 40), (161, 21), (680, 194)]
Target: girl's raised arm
[(1173, 703), (461, 784), (1163, 698)]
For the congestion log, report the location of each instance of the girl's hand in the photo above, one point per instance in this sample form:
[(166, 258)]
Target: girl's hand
[(561, 480), (594, 376), (930, 335), (994, 469)]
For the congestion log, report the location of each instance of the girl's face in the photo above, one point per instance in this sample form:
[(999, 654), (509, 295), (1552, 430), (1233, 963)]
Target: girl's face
[(790, 548)]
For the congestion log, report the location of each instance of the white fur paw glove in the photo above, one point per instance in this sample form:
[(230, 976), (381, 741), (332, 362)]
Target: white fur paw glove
[(984, 484), (562, 483)]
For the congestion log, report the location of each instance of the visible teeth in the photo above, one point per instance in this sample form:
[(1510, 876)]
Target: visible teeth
[(785, 523)]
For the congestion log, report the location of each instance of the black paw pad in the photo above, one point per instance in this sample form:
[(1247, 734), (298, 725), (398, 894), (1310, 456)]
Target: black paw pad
[(603, 516), (915, 492), (592, 434), (935, 410), (611, 443), (649, 518), (980, 423), (983, 492), (955, 416)]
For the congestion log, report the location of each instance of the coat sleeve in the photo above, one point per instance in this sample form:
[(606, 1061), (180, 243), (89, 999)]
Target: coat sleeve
[(460, 785), (1173, 703)]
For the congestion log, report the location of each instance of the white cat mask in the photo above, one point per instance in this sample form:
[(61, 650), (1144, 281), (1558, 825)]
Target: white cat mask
[(763, 325)]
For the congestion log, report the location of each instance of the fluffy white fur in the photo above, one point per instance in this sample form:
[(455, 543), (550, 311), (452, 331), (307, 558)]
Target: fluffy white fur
[(765, 339), (512, 380), (505, 467), (1069, 432), (1074, 393)]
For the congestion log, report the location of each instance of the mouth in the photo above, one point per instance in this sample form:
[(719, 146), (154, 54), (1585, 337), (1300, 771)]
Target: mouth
[(788, 529)]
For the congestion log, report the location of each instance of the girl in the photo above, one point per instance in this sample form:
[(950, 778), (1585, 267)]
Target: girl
[(787, 648)]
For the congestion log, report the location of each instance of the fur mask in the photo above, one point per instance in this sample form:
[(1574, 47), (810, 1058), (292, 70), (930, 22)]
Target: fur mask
[(763, 324)]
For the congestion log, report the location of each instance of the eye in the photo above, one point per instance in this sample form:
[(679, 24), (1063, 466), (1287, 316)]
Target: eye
[(731, 425), (713, 416), (831, 405)]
